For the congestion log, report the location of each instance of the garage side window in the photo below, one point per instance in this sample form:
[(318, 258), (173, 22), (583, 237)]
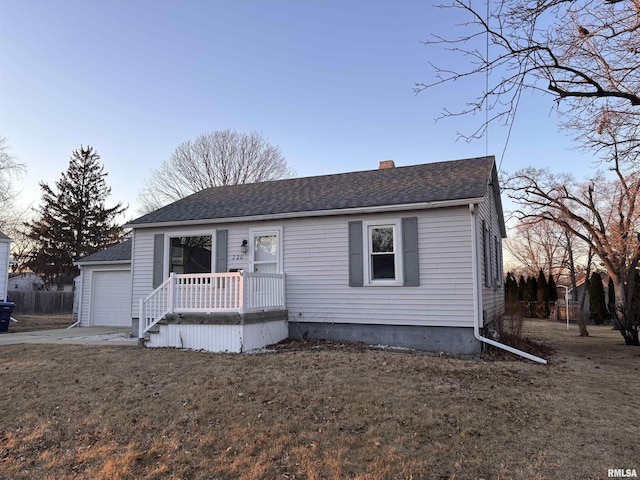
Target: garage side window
[(190, 254)]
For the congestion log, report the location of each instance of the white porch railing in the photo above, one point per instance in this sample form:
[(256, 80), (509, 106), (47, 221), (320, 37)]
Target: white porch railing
[(210, 293)]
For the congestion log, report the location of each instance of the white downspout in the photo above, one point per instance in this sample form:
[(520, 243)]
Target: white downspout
[(477, 297), (78, 291)]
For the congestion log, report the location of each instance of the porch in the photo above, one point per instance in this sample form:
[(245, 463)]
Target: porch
[(232, 312)]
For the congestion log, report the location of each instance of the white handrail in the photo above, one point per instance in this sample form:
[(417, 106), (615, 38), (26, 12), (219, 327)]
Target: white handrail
[(210, 293)]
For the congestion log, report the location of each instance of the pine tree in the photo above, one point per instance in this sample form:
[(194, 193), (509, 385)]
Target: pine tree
[(73, 221), (542, 295), (612, 297), (596, 299), (529, 297), (522, 286), (552, 289)]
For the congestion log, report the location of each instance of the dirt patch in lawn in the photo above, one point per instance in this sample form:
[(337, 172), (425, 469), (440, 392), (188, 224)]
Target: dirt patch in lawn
[(320, 412), (31, 323)]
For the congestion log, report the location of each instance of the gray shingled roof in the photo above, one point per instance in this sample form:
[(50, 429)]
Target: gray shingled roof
[(118, 253), (3, 236), (431, 182)]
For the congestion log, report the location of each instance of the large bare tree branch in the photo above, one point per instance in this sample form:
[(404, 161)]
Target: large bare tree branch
[(577, 50)]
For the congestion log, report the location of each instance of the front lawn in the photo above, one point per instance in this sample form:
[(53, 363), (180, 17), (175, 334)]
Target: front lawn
[(320, 411)]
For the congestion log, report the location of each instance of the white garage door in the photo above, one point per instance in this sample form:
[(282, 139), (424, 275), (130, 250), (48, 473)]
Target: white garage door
[(111, 299)]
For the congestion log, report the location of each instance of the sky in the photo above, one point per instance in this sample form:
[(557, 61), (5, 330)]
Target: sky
[(330, 82)]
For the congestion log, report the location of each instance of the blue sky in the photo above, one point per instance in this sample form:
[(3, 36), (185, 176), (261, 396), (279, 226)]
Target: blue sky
[(330, 82)]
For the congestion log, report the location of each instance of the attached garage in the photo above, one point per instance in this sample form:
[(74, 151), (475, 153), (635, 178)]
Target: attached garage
[(111, 298), (104, 288)]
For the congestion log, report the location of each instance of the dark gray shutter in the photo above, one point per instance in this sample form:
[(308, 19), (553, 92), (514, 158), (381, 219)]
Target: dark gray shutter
[(355, 254), (158, 259), (410, 258), (221, 251)]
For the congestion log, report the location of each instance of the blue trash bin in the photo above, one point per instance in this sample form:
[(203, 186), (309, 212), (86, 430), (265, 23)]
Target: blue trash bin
[(6, 309)]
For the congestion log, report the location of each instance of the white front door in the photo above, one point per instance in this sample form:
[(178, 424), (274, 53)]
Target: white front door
[(266, 251)]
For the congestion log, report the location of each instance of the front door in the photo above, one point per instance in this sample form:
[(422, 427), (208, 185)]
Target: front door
[(266, 255)]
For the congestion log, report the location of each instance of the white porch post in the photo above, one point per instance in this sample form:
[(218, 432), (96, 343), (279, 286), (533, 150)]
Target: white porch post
[(141, 319), (170, 294), (241, 293)]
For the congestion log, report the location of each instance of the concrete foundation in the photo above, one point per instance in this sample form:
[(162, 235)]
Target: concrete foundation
[(450, 340)]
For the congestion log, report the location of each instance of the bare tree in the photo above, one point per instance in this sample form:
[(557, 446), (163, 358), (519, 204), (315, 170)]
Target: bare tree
[(538, 245), (10, 170), (212, 160), (604, 214), (577, 51)]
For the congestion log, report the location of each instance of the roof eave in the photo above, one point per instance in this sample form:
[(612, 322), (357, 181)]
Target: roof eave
[(102, 262), (314, 213)]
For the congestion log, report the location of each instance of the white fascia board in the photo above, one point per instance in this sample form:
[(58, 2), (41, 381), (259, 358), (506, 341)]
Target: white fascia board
[(112, 262), (315, 213)]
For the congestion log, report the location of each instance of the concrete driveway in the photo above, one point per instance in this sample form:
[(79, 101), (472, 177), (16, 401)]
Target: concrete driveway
[(73, 336)]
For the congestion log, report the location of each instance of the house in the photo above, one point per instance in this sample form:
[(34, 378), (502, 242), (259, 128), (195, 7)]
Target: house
[(582, 289), (404, 256), (5, 247), (103, 288), (24, 282)]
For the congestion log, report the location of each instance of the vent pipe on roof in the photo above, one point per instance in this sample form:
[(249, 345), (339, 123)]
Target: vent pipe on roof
[(386, 164)]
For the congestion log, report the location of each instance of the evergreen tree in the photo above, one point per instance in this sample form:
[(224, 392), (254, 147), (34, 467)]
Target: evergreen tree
[(542, 296), (511, 288), (612, 297), (522, 285), (552, 289), (596, 299), (529, 297), (73, 221)]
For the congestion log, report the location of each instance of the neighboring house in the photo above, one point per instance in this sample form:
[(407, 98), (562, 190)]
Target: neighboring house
[(5, 247), (103, 288), (61, 283), (582, 289), (24, 282), (407, 256)]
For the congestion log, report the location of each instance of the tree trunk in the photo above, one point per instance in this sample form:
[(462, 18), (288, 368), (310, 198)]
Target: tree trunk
[(626, 319), (581, 320)]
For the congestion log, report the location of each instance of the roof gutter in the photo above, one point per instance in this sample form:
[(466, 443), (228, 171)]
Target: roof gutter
[(477, 295), (103, 262), (312, 213)]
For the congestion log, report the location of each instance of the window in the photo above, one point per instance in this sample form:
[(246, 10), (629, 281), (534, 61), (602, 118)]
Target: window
[(266, 250), (384, 253), (498, 262), (486, 243), (190, 254), (384, 265)]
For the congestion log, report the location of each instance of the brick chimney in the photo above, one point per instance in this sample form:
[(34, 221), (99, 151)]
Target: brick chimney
[(386, 164)]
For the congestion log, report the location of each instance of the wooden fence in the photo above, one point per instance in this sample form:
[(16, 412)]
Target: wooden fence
[(41, 302)]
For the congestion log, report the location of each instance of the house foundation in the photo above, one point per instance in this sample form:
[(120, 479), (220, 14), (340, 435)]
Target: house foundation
[(450, 340)]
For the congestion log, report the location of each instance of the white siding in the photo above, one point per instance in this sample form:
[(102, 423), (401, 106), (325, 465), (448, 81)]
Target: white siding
[(259, 335), (87, 300), (493, 296), (316, 267), (219, 338), (317, 283), (4, 268), (212, 338)]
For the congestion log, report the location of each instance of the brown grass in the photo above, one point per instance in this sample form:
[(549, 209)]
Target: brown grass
[(30, 323), (316, 412)]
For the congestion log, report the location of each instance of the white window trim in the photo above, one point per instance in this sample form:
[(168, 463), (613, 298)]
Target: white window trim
[(397, 250), (186, 233), (266, 231)]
